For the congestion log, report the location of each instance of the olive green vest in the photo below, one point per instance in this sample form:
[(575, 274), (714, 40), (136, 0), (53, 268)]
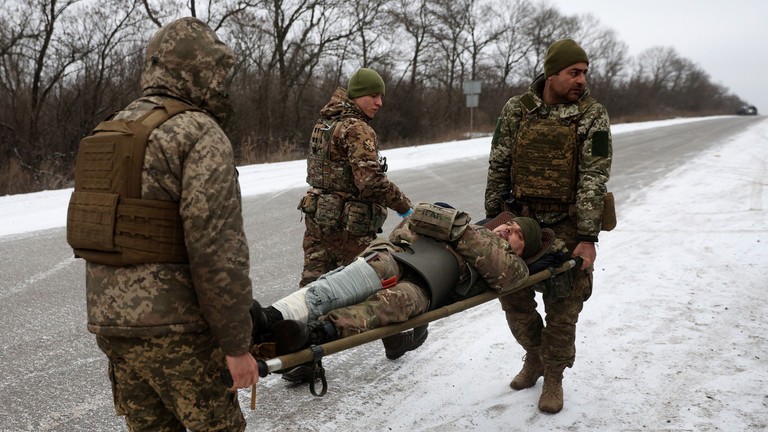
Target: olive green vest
[(107, 220)]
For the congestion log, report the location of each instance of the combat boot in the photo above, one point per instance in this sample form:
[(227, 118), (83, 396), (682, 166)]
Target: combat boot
[(397, 345), (291, 336), (532, 369), (551, 400), (263, 319)]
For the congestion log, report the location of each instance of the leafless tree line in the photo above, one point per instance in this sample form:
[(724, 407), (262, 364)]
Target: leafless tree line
[(67, 64)]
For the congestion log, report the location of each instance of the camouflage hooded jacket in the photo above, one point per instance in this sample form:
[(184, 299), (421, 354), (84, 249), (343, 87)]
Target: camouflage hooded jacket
[(594, 157), (188, 160), (355, 147)]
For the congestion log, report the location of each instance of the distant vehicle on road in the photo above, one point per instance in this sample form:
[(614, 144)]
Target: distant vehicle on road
[(747, 110)]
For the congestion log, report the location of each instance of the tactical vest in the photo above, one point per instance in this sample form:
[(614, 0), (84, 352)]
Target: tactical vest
[(107, 220), (323, 172), (546, 157)]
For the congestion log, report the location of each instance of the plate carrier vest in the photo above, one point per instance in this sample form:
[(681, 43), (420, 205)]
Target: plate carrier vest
[(107, 220), (546, 158)]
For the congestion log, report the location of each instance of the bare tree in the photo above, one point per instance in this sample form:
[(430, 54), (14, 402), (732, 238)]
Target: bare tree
[(512, 47), (482, 32), (415, 19), (371, 27), (545, 26), (215, 13)]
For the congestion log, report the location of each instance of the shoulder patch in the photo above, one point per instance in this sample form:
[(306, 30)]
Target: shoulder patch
[(496, 132), (600, 144)]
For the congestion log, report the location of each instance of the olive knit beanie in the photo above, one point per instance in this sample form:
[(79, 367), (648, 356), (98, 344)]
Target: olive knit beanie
[(364, 82), (562, 54), (531, 235)]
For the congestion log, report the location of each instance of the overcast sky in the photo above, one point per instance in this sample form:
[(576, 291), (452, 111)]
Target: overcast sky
[(722, 37)]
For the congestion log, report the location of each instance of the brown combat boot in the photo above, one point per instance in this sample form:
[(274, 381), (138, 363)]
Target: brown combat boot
[(532, 369), (551, 400)]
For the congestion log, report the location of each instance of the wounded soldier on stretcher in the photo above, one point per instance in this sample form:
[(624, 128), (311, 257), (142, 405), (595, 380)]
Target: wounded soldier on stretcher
[(431, 259)]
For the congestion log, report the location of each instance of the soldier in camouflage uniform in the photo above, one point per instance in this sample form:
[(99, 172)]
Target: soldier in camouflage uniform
[(388, 290), (349, 193), (170, 329), (550, 160)]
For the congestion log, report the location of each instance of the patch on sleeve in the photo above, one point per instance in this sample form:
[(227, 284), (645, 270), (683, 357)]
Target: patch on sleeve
[(600, 144), (496, 132)]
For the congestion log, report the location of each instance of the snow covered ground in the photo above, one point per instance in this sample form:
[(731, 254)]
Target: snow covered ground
[(674, 338)]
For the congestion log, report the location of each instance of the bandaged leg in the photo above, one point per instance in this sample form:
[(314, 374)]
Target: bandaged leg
[(294, 306), (342, 287)]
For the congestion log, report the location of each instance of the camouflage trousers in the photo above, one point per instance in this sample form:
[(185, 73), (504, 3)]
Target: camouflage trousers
[(171, 383), (556, 341), (326, 251), (387, 306)]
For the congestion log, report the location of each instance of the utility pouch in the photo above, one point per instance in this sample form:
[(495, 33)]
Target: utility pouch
[(361, 218), (438, 222), (609, 213), (308, 203), (328, 211), (91, 221), (557, 287)]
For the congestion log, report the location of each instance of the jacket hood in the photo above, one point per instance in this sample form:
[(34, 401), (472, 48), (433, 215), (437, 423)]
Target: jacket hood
[(341, 105), (186, 59)]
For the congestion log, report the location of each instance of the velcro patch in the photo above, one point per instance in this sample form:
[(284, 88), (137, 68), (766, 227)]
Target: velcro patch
[(600, 144), (496, 132)]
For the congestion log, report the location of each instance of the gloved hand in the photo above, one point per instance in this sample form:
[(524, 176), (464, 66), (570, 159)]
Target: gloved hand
[(406, 214)]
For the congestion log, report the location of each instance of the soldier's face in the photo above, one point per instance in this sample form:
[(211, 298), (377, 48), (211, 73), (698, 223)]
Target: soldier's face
[(370, 104), (513, 234), (569, 84)]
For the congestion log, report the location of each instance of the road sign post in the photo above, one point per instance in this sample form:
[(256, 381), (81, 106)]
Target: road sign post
[(472, 90)]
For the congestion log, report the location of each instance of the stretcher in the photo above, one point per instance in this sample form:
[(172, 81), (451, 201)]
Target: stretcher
[(315, 353)]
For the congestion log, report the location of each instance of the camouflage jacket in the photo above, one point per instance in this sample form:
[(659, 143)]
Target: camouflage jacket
[(189, 160), (354, 143), (593, 170), (488, 253)]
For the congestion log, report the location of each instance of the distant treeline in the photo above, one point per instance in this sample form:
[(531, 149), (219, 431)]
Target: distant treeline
[(67, 64)]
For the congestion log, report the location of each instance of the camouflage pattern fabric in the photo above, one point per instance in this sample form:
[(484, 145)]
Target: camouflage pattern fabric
[(487, 252), (326, 251), (171, 383), (594, 158), (188, 160), (556, 340), (353, 147), (581, 222), (385, 307)]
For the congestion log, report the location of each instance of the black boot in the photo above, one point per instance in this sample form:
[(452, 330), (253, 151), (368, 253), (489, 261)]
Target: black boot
[(263, 319), (303, 373), (397, 345), (291, 336)]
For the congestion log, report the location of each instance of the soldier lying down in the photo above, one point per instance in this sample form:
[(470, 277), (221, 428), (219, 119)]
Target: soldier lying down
[(433, 258)]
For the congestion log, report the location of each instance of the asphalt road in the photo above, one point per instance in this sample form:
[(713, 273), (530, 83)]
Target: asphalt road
[(53, 377)]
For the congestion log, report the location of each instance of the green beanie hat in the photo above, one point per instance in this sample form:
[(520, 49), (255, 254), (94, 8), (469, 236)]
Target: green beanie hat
[(562, 54), (531, 235), (364, 82)]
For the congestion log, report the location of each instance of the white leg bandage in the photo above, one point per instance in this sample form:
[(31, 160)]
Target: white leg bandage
[(342, 287), (294, 306)]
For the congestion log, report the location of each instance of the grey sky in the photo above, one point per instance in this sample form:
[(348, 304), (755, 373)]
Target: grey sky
[(722, 37)]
